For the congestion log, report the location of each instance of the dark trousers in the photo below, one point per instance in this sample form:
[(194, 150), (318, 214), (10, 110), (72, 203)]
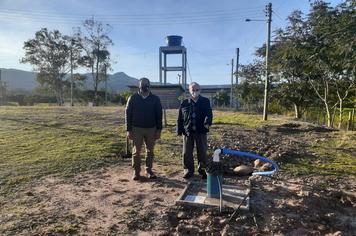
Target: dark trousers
[(200, 140)]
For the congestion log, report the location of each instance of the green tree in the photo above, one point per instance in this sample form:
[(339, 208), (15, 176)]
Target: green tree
[(253, 72), (48, 53), (250, 94), (250, 91), (288, 61), (296, 94), (332, 47), (75, 46), (221, 98), (126, 95), (96, 43), (316, 52)]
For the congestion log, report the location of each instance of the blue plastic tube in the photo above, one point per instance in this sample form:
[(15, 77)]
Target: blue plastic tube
[(252, 156)]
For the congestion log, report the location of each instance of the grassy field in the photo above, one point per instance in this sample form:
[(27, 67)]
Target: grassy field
[(65, 143), (40, 141), (332, 156)]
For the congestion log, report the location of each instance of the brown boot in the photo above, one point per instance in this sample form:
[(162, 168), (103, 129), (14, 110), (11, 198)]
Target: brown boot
[(136, 176)]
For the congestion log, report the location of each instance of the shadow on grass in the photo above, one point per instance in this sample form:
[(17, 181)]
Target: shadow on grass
[(291, 128), (227, 123)]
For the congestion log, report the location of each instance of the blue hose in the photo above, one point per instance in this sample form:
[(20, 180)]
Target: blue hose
[(253, 156)]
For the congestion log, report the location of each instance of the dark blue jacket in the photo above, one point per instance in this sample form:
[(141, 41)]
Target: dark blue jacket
[(193, 116)]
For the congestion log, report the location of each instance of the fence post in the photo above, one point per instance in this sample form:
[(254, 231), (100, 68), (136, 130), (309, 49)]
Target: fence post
[(165, 118), (350, 120)]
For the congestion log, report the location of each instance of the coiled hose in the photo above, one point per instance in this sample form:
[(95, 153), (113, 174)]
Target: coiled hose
[(253, 156), (216, 168)]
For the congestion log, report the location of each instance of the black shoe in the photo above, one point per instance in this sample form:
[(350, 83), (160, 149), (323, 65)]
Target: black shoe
[(203, 175), (151, 175), (188, 175), (136, 176)]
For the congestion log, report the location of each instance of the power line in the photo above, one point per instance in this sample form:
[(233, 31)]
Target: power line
[(134, 22), (275, 13), (141, 23), (127, 19), (142, 19), (118, 17), (190, 76), (138, 15)]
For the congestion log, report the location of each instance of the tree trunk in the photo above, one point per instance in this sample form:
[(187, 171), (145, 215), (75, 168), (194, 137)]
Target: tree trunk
[(328, 115), (340, 113), (325, 98), (57, 89), (297, 111), (96, 77), (93, 76), (333, 117)]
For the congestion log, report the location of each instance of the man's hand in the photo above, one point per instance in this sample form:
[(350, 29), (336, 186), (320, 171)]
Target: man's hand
[(158, 134), (129, 135)]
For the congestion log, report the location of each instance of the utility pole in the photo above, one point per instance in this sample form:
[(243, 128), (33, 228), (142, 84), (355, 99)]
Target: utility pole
[(237, 75), (232, 82), (237, 65), (269, 20)]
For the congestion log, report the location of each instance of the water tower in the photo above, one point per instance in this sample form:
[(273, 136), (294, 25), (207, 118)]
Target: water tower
[(174, 46)]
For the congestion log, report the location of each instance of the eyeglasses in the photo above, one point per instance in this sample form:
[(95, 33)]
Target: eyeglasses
[(195, 90)]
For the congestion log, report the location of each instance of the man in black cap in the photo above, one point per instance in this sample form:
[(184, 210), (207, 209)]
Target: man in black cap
[(143, 125), (194, 119)]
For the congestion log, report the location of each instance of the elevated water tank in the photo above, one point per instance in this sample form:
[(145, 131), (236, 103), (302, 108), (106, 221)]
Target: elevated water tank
[(174, 40)]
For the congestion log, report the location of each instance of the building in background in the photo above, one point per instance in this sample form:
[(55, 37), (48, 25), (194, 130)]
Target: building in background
[(169, 94), (172, 94)]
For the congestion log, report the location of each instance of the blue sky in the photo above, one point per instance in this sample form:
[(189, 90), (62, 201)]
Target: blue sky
[(211, 30)]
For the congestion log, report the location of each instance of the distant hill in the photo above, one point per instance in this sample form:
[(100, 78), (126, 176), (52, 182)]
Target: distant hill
[(116, 82), (26, 80), (19, 79)]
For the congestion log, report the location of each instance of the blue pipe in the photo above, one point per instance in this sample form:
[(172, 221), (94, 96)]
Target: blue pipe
[(253, 156)]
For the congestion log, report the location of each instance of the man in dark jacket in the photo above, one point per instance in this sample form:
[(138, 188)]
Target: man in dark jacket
[(143, 125), (194, 119)]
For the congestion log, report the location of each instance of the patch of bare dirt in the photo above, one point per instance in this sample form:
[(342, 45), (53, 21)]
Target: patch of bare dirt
[(108, 202)]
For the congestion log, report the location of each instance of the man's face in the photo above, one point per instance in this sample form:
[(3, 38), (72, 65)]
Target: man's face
[(194, 90), (144, 85)]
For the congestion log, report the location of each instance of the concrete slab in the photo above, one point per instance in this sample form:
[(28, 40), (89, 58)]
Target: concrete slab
[(194, 194)]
